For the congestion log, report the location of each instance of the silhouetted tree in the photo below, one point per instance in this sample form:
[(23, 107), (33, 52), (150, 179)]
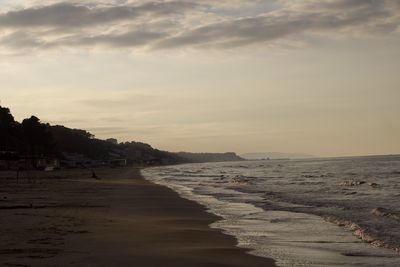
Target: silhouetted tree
[(112, 141), (37, 137), (9, 136), (81, 142)]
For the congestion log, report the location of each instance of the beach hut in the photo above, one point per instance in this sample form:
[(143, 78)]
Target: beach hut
[(118, 162), (8, 160)]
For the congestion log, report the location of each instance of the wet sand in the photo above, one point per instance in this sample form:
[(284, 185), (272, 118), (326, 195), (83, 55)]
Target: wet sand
[(66, 218)]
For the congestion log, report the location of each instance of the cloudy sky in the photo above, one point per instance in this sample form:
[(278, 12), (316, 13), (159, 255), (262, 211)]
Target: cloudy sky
[(312, 76)]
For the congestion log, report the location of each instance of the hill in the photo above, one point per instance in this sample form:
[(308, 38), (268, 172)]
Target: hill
[(31, 139), (76, 147)]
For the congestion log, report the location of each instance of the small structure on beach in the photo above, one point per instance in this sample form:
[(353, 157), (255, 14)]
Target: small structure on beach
[(118, 162), (9, 160), (74, 160), (154, 161), (46, 164)]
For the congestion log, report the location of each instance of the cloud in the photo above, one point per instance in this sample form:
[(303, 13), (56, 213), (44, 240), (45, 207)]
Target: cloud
[(128, 39), (21, 40), (126, 101), (190, 24), (66, 15), (280, 24)]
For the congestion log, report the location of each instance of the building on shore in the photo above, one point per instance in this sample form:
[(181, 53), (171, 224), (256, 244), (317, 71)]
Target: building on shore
[(118, 162), (10, 160)]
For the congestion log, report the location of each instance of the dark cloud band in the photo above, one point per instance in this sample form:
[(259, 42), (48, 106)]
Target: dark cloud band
[(168, 24), (65, 15)]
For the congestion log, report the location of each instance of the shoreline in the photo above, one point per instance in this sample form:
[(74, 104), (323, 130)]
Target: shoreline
[(292, 234), (120, 220)]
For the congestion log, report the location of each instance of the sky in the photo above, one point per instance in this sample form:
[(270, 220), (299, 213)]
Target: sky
[(305, 76)]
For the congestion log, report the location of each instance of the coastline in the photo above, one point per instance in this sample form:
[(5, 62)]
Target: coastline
[(67, 218)]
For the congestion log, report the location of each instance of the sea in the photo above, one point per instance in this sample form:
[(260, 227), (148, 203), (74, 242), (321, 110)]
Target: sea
[(309, 212)]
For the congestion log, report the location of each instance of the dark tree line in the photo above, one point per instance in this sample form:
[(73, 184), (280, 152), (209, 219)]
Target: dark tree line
[(29, 137), (33, 138), (81, 142)]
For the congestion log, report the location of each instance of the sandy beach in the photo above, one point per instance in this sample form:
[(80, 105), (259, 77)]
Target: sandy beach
[(67, 218)]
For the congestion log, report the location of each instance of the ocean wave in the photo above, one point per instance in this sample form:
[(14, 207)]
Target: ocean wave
[(364, 233), (382, 212)]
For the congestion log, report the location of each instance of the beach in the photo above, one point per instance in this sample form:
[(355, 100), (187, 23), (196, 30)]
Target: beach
[(67, 218)]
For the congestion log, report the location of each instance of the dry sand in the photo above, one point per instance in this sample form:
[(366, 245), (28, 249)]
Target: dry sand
[(66, 218)]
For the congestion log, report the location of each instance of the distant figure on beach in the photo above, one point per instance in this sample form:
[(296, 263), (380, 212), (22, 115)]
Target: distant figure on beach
[(94, 175)]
